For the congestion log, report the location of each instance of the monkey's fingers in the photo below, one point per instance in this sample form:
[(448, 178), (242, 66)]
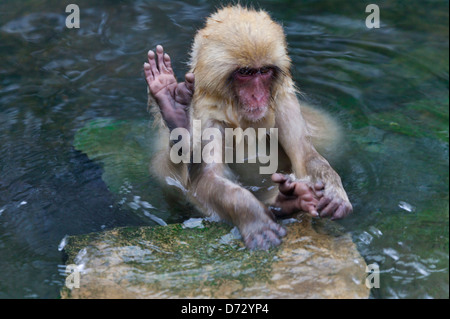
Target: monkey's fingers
[(161, 61), (308, 204), (311, 209), (286, 187), (302, 189), (265, 238), (313, 212), (318, 189), (330, 208), (152, 62), (168, 62), (279, 178), (323, 202), (190, 82), (339, 213), (318, 194), (183, 96), (148, 73), (269, 239), (256, 242), (343, 210), (319, 186), (285, 206), (277, 229)]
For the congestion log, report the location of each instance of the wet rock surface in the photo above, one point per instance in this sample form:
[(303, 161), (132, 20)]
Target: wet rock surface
[(201, 259)]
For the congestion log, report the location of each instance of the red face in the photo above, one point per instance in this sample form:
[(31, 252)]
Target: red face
[(253, 89)]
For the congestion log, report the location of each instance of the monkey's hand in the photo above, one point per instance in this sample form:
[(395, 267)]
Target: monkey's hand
[(334, 202), (172, 98), (296, 195), (262, 233)]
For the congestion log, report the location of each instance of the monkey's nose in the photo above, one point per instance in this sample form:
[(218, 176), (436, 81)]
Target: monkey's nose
[(258, 97)]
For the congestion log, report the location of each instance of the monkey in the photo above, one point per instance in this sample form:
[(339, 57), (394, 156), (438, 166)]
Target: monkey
[(240, 77)]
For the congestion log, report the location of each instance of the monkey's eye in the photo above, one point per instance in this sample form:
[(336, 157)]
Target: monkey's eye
[(264, 70), (246, 71)]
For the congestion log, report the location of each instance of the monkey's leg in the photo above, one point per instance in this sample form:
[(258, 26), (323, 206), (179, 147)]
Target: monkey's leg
[(172, 98), (217, 194)]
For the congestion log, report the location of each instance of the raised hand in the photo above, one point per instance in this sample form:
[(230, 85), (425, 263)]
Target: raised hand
[(173, 98)]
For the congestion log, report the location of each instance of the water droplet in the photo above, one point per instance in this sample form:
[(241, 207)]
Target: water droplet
[(146, 205), (22, 203), (391, 253), (406, 206), (375, 231), (133, 205), (156, 219), (63, 243), (366, 238)]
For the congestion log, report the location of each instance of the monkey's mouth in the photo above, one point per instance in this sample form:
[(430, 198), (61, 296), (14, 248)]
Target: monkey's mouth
[(255, 113)]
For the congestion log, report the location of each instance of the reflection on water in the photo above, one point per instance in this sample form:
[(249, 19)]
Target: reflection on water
[(388, 87)]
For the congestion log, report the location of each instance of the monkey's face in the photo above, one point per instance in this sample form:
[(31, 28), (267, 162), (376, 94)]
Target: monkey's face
[(253, 90)]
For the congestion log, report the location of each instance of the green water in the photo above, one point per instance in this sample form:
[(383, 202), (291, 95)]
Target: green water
[(388, 87)]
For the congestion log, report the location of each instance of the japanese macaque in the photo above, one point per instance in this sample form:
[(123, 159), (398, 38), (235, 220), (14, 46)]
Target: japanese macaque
[(240, 77)]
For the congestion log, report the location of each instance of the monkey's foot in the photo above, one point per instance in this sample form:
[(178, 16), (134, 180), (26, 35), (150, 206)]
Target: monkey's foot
[(172, 98), (296, 196), (262, 235)]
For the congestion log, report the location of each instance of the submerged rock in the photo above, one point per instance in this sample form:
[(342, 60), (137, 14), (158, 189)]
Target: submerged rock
[(316, 260)]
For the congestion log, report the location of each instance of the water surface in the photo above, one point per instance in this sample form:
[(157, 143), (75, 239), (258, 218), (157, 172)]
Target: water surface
[(388, 87)]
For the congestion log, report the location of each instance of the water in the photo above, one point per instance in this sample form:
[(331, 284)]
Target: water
[(388, 87)]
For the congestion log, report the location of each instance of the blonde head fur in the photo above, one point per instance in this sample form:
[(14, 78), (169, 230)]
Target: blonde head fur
[(236, 37)]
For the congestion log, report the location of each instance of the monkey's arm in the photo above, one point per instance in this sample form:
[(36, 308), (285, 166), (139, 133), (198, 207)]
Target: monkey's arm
[(214, 188), (218, 194), (307, 162)]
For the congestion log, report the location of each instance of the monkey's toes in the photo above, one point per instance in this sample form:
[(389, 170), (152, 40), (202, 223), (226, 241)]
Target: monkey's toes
[(264, 239), (278, 229)]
